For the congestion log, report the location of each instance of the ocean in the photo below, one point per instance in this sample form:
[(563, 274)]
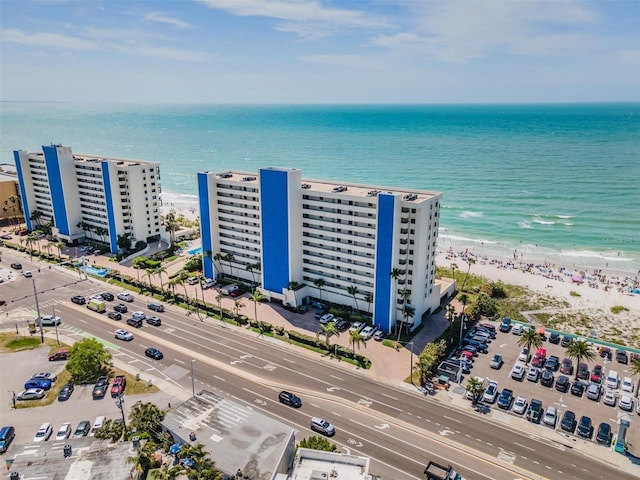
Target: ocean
[(554, 183)]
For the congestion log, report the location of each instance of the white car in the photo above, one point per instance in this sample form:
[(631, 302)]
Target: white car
[(125, 297), (517, 329), (517, 372), (367, 332), (64, 431), (31, 394), (326, 318), (491, 393), (550, 416), (627, 384), (626, 402), (139, 315), (520, 406), (125, 335), (524, 355), (27, 274), (533, 374), (49, 321), (356, 327), (609, 398), (43, 433)]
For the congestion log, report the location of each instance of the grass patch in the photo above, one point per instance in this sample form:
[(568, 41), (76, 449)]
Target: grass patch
[(619, 309), (573, 293)]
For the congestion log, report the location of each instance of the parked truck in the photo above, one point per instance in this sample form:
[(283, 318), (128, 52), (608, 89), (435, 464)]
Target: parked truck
[(437, 471)]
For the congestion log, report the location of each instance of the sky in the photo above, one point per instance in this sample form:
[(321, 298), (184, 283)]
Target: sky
[(320, 51)]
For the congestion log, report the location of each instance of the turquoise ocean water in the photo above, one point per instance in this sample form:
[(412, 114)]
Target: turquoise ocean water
[(556, 182)]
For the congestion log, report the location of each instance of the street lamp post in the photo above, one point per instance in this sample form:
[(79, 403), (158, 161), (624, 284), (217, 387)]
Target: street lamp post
[(120, 404), (193, 381), (55, 324), (35, 294)]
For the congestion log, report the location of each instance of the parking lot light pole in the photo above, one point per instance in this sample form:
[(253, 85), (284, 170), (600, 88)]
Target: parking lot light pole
[(120, 404), (35, 294), (193, 381)]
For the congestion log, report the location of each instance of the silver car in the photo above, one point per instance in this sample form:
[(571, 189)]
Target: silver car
[(550, 416), (520, 406)]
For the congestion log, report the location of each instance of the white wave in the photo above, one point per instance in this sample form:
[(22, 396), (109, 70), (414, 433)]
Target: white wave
[(458, 238), (565, 216), (567, 224), (469, 214), (543, 222), (592, 254), (524, 224)]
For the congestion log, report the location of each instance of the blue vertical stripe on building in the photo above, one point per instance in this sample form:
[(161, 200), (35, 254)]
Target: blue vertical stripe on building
[(108, 197), (383, 296), (56, 188), (274, 218), (23, 191), (205, 225)]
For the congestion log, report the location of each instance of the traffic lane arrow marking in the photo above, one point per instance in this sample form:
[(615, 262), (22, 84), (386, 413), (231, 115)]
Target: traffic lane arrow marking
[(354, 442), (446, 432), (384, 426), (235, 362), (332, 389)]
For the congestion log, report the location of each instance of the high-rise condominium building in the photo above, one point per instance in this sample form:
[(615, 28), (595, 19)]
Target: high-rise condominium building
[(88, 196), (372, 248)]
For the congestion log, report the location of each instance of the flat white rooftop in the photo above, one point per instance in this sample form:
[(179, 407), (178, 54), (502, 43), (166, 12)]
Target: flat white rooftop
[(319, 465)]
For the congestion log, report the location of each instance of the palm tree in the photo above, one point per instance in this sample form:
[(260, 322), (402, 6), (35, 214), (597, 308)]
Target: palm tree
[(145, 458), (356, 339), (15, 202), (293, 286), (159, 271), (634, 368), (530, 339), (407, 312), (229, 257), (369, 299), (59, 246), (328, 329), (146, 417), (218, 257), (580, 350), (256, 297), (353, 291), (48, 247), (319, 284), (124, 242), (149, 273), (237, 304), (476, 388), (35, 217), (463, 298), (182, 280), (249, 268), (139, 263), (454, 267), (219, 298), (30, 240), (396, 273), (470, 261), (171, 225)]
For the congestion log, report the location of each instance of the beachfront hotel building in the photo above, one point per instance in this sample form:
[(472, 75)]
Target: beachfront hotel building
[(289, 234), (90, 196)]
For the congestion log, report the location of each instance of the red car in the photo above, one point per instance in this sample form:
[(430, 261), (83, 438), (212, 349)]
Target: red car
[(119, 384), (237, 292), (488, 326), (61, 354), (596, 374)]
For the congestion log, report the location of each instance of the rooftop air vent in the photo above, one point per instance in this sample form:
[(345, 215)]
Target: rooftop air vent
[(410, 197), (225, 175), (248, 178), (305, 186), (373, 193), (340, 188)]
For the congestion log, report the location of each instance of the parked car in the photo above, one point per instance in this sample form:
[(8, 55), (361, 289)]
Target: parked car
[(16, 266), (491, 393), (471, 349), (524, 355), (100, 387), (566, 341), (627, 384), (505, 398), (496, 362), (155, 321), (533, 374), (625, 402), (38, 383), (356, 327), (82, 429), (44, 376), (107, 296), (552, 363), (550, 416), (534, 412), (61, 354), (583, 371), (577, 388), (78, 300), (122, 334), (154, 353), (517, 329), (65, 392), (604, 434), (118, 386), (326, 318), (605, 352), (125, 297), (566, 366), (609, 398), (379, 335), (290, 399), (31, 394), (596, 374), (622, 357), (115, 315), (156, 307), (554, 337), (546, 378), (505, 325), (585, 427), (44, 433), (120, 308), (64, 431), (520, 405), (612, 380), (563, 383), (518, 371), (236, 292), (342, 325), (488, 326), (367, 332), (594, 391), (568, 423)]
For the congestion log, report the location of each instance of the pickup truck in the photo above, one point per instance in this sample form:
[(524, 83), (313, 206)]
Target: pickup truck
[(437, 471)]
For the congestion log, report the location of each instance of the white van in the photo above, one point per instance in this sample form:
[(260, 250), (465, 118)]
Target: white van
[(97, 423), (208, 283), (612, 380)]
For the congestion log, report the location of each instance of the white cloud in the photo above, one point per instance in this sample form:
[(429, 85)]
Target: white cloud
[(45, 39), (348, 61), (161, 18)]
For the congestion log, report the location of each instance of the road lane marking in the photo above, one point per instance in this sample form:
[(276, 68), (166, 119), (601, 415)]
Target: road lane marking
[(452, 419), (337, 378), (220, 378), (389, 396), (524, 446)]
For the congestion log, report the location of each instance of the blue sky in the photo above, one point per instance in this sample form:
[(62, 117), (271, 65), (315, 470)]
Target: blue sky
[(320, 51)]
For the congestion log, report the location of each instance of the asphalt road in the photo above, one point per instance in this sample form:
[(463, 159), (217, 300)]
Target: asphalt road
[(399, 428)]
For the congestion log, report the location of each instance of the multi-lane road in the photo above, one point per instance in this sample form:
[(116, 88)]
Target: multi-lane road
[(397, 427)]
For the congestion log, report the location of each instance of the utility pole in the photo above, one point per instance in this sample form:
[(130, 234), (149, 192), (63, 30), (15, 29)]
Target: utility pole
[(35, 294), (120, 404), (55, 324), (193, 381)]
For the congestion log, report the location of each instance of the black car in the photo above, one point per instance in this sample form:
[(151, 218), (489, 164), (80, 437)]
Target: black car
[(583, 371), (156, 307), (120, 307), (100, 387), (78, 299), (577, 388), (554, 337), (585, 427), (505, 399), (546, 379), (153, 353), (66, 392), (134, 322), (342, 325), (115, 315), (622, 357), (603, 437), (155, 321), (566, 341), (16, 266), (290, 399), (568, 423), (552, 363), (107, 296), (82, 429), (562, 384), (534, 412)]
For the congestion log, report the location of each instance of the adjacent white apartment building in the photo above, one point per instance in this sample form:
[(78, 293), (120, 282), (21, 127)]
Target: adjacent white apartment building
[(89, 196), (369, 247)]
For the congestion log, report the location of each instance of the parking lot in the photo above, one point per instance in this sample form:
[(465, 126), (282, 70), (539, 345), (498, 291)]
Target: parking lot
[(506, 344)]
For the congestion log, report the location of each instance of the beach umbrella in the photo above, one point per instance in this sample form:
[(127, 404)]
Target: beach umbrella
[(577, 279), (175, 448)]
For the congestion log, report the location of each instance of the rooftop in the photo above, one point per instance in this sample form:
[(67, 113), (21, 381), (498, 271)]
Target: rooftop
[(319, 465), (236, 436)]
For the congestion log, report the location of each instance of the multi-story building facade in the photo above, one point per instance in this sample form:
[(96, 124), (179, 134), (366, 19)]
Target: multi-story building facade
[(372, 248), (90, 197)]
